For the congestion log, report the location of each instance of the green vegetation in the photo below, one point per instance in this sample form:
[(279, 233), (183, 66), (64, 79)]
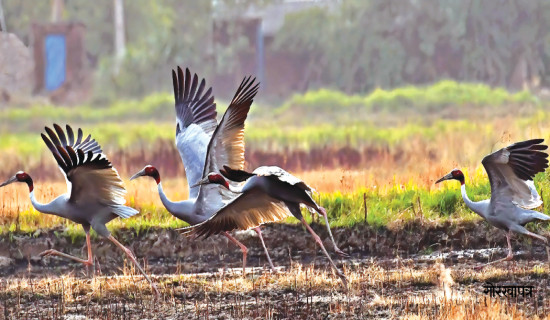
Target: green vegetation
[(444, 99), (386, 208), (314, 119), (136, 136), (443, 94), (361, 45), (136, 125)]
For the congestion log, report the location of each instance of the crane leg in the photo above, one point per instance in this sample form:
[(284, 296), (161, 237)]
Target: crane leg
[(338, 251), (509, 257), (523, 230), (259, 232), (131, 256), (536, 236), (89, 262), (244, 249), (320, 243)]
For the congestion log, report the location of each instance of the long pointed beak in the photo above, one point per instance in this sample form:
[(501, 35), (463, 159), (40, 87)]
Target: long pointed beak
[(137, 175), (203, 181), (445, 177), (10, 180)]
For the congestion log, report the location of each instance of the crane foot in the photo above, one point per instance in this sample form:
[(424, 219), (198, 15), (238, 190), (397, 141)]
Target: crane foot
[(341, 253)]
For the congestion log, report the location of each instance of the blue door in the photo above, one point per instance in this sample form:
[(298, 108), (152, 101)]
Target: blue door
[(56, 58)]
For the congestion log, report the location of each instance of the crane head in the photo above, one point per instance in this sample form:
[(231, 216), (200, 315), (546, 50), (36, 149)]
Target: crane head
[(20, 176), (148, 171), (455, 174), (213, 177)]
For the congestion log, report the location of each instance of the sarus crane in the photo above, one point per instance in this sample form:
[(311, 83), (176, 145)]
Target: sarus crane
[(95, 190), (267, 195), (513, 194), (204, 146)]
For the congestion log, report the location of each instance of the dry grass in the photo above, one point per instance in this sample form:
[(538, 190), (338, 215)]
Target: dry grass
[(379, 290)]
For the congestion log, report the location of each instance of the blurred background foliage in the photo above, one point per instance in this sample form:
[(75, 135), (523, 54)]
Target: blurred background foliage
[(354, 46)]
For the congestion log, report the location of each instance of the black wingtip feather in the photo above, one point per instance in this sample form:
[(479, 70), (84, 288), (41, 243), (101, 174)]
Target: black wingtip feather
[(192, 106), (235, 174), (60, 134), (527, 158)]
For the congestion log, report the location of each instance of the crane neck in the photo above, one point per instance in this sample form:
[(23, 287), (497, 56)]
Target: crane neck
[(40, 207), (235, 189), (163, 198), (477, 207), (183, 210)]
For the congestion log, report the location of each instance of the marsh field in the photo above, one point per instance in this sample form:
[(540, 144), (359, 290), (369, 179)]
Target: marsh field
[(413, 245)]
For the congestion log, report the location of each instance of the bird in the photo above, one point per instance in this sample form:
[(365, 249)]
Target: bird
[(265, 195), (513, 194), (204, 145), (95, 193)]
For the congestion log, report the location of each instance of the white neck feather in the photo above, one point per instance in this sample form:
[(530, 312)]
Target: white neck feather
[(183, 210), (236, 189), (477, 207), (42, 207)]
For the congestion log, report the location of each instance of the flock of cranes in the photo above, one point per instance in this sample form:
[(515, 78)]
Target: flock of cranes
[(223, 197)]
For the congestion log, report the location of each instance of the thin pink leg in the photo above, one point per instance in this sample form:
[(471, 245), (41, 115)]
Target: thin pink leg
[(259, 232), (133, 259), (242, 246), (320, 243), (89, 262), (338, 251), (510, 255)]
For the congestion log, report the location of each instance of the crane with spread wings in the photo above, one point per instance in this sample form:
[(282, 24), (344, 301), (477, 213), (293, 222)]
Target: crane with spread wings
[(95, 193), (513, 194), (265, 195), (204, 146)]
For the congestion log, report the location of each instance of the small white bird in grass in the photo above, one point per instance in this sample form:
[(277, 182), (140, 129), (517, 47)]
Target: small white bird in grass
[(266, 196), (513, 195), (95, 191)]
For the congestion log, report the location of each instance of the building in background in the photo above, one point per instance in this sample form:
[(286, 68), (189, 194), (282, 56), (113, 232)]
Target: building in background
[(60, 61), (278, 72)]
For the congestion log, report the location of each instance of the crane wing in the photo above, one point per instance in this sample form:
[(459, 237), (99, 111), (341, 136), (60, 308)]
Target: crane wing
[(282, 175), (58, 138), (90, 174), (195, 123), (512, 169), (226, 146), (248, 210)]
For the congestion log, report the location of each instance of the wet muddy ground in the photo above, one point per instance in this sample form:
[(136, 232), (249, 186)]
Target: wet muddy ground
[(420, 270)]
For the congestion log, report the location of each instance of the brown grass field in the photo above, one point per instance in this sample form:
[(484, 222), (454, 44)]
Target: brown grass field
[(385, 283), (378, 289)]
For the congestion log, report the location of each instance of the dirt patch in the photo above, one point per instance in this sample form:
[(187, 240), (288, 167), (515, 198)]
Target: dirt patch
[(167, 251)]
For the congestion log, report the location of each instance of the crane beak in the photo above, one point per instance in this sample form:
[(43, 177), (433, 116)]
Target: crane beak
[(448, 176), (10, 180), (137, 175), (203, 181)]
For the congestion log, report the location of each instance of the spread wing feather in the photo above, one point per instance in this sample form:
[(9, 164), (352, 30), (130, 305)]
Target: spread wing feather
[(512, 169), (195, 123), (192, 106), (226, 147), (246, 211), (91, 176)]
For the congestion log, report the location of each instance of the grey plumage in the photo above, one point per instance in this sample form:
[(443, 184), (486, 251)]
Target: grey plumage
[(513, 193), (266, 195), (204, 144), (95, 190)]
